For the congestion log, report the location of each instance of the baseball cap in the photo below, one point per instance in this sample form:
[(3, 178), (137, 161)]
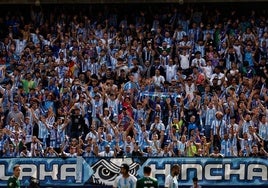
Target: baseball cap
[(125, 166)]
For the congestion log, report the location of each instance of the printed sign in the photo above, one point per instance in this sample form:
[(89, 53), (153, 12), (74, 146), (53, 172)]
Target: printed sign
[(103, 171)]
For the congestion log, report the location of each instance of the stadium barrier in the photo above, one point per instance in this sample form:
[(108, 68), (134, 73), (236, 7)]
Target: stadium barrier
[(103, 171)]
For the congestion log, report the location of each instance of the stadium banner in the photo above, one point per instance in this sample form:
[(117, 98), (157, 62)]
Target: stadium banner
[(103, 171)]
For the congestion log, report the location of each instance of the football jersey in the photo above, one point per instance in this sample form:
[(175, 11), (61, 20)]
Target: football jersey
[(147, 182), (121, 182)]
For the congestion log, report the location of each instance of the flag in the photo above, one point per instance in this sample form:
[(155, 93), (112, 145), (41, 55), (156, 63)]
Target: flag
[(71, 69)]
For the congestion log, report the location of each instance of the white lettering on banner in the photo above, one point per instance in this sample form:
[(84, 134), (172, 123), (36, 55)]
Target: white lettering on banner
[(216, 171), (31, 170), (211, 167), (2, 173), (253, 173), (240, 171), (79, 167), (52, 173), (65, 173), (185, 167), (28, 170), (165, 170)]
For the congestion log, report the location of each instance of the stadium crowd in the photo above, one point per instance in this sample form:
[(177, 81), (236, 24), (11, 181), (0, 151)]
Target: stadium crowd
[(150, 82)]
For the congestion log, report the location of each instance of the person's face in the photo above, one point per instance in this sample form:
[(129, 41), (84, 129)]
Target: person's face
[(123, 171), (216, 151), (255, 149), (176, 171), (143, 128), (81, 98), (128, 149), (11, 148), (175, 120), (248, 118), (34, 139), (263, 119), (12, 121), (128, 139), (28, 77), (107, 149), (109, 137), (15, 107), (219, 116), (250, 129), (37, 152), (73, 150), (97, 97), (17, 171), (155, 137), (166, 148), (192, 119), (203, 139), (131, 77), (232, 120), (73, 142)]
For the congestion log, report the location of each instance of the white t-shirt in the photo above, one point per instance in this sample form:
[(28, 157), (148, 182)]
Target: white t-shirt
[(158, 80), (171, 182), (170, 72), (208, 70), (105, 154), (121, 182), (185, 63)]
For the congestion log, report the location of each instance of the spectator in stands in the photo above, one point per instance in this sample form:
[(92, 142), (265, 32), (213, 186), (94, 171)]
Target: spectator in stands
[(50, 152), (218, 127), (11, 151), (15, 114), (107, 152), (24, 152), (71, 72), (137, 152), (216, 153)]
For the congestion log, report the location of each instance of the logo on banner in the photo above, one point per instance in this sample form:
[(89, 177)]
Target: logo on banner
[(106, 170)]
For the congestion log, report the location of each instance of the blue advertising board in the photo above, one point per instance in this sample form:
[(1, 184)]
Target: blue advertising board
[(103, 171)]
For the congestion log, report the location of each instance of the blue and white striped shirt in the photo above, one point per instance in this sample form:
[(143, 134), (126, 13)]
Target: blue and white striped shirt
[(129, 182)]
